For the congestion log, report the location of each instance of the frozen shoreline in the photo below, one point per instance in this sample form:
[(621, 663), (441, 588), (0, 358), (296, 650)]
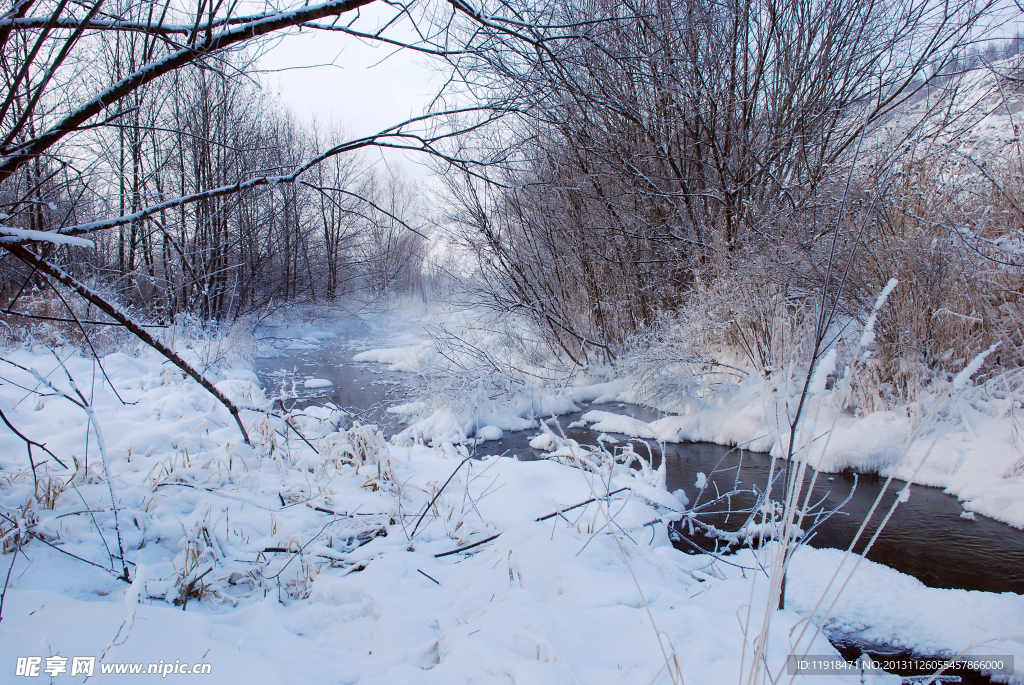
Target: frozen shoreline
[(970, 455), (963, 440), (544, 602)]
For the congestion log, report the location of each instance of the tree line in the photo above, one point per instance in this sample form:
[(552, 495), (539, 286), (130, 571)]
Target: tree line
[(343, 229), (611, 165), (748, 174), (145, 127)]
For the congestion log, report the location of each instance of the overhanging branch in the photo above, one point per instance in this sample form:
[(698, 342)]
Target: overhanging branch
[(112, 310)]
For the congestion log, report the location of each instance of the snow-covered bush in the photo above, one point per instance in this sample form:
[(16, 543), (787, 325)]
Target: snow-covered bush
[(730, 329), (56, 325), (951, 241)]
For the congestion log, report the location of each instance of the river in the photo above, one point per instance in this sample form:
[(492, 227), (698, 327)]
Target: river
[(926, 537)]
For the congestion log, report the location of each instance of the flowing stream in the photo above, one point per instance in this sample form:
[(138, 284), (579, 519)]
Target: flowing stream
[(926, 538)]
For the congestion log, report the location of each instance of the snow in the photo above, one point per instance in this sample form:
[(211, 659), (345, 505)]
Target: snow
[(312, 383), (489, 433), (549, 601), (544, 442), (21, 235), (825, 366), (881, 606), (601, 393), (618, 423), (964, 377), (867, 336), (360, 595), (411, 359)]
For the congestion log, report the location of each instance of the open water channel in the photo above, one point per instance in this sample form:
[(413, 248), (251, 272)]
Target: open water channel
[(926, 538)]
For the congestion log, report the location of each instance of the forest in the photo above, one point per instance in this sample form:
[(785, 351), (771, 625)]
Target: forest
[(789, 229)]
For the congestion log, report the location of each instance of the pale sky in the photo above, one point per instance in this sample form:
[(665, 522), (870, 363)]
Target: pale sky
[(361, 94)]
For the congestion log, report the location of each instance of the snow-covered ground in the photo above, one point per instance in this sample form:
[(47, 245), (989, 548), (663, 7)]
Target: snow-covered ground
[(311, 555), (969, 445), (967, 440)]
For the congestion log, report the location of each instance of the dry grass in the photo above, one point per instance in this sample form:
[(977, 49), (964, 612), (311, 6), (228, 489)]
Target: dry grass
[(959, 285), (63, 331), (953, 242)]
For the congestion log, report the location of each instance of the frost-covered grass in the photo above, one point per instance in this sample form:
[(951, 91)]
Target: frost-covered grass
[(311, 555), (957, 435)]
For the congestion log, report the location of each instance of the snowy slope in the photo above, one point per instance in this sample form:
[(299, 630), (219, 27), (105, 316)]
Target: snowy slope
[(292, 562), (962, 442)]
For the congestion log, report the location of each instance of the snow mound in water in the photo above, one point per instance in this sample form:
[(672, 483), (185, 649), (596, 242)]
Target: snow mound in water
[(411, 358), (312, 383), (543, 442), (489, 433), (437, 429), (300, 345), (618, 423)]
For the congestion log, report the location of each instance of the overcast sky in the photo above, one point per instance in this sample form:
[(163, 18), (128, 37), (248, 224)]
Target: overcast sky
[(361, 93)]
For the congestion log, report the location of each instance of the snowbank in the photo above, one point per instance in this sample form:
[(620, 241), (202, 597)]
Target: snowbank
[(285, 562), (489, 433), (412, 358), (967, 450), (881, 606)]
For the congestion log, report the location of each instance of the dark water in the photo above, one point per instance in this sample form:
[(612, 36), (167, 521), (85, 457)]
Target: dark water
[(365, 390), (925, 538)]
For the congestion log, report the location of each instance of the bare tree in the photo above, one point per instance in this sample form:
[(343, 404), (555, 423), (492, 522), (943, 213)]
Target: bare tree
[(168, 141), (391, 247), (658, 142)]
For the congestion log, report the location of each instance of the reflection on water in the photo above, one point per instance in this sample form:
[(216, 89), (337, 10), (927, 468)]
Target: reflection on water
[(926, 537), (364, 390)]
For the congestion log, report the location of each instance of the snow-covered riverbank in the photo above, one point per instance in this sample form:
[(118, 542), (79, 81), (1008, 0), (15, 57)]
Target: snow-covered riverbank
[(968, 441), (295, 561), (972, 449)]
